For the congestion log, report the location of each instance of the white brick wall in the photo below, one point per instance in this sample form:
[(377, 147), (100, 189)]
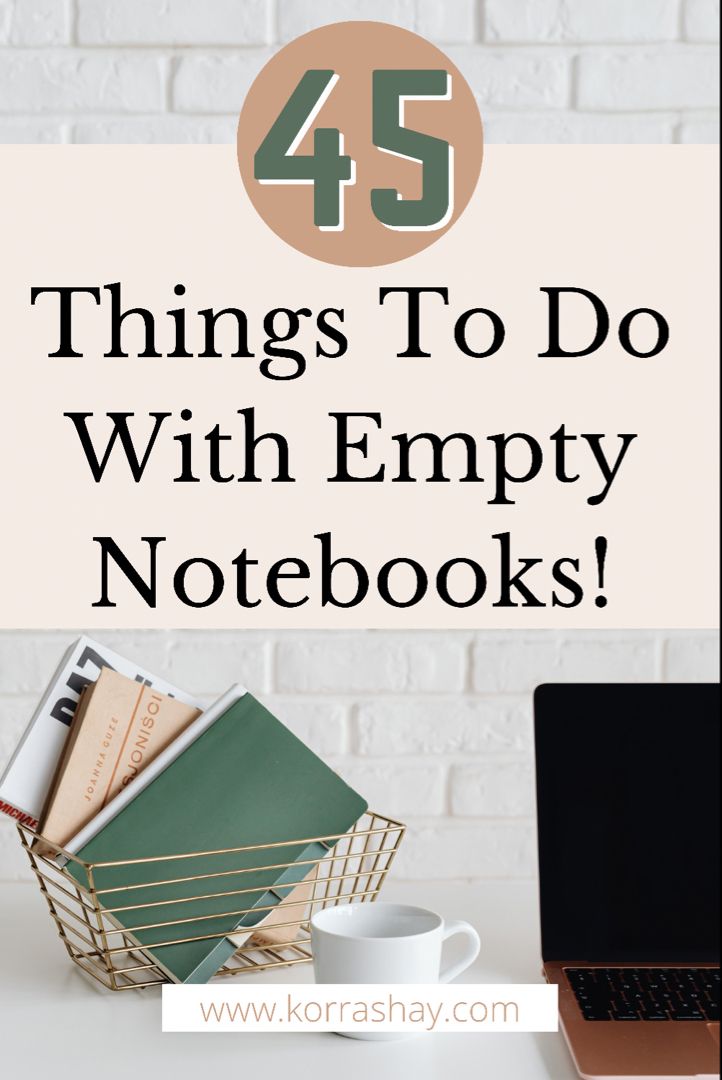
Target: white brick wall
[(174, 22), (433, 728), (176, 71), (581, 21), (642, 78)]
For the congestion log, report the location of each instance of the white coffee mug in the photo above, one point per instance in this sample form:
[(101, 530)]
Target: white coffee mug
[(385, 943)]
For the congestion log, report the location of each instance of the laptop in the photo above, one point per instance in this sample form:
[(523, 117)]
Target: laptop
[(628, 798)]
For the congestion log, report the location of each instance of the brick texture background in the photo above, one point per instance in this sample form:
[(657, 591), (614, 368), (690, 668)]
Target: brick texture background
[(171, 71), (434, 729)]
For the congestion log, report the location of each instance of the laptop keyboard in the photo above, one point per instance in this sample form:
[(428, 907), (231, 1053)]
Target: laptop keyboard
[(646, 993)]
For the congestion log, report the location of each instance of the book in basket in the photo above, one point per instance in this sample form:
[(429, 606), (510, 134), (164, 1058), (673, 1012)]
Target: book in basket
[(239, 779), (119, 726)]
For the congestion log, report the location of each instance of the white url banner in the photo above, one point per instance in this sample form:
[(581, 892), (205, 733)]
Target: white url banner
[(478, 1007)]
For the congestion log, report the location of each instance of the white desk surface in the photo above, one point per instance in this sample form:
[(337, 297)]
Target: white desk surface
[(56, 1021)]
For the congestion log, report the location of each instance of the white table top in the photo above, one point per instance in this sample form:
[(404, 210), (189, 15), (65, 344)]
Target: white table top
[(52, 1013)]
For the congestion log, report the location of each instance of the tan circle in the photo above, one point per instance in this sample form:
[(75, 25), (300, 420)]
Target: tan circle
[(354, 50)]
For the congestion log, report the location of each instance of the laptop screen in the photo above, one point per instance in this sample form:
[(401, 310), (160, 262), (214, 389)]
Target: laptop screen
[(628, 822)]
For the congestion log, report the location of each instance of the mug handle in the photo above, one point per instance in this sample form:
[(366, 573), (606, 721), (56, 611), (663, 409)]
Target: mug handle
[(458, 926)]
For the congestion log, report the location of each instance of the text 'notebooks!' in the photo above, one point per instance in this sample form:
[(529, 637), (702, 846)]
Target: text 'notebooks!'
[(246, 780)]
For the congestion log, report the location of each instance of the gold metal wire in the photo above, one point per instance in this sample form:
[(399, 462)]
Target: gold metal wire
[(352, 871)]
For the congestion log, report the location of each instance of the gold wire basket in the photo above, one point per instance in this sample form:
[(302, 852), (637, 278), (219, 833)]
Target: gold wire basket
[(85, 914)]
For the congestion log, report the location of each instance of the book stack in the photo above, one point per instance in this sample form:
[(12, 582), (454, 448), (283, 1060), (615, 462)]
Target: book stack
[(121, 769)]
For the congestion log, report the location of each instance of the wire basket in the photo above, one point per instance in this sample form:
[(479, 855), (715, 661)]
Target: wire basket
[(86, 912)]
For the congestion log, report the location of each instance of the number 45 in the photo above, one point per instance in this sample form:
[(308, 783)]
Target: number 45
[(329, 170)]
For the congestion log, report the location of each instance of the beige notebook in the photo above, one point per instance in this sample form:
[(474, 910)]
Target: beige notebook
[(119, 727)]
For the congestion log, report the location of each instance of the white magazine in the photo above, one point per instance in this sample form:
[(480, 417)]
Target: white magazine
[(25, 782)]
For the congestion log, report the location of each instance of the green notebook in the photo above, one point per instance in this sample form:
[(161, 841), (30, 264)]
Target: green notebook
[(246, 780)]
